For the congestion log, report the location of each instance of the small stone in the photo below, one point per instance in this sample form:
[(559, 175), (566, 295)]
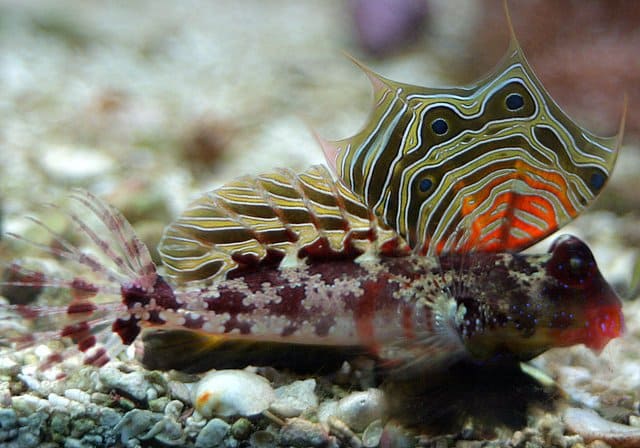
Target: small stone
[(634, 421), (233, 392), (359, 409), (8, 367), (102, 399), (8, 425), (241, 428), (327, 409), (81, 426), (194, 424), (262, 439), (133, 385), (173, 409), (77, 395), (60, 425), (303, 433), (108, 418), (66, 162), (27, 404), (592, 427), (71, 442), (212, 434), (167, 431), (372, 434), (158, 404), (136, 422), (295, 399), (180, 391)]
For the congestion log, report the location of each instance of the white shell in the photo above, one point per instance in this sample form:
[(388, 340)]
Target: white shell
[(224, 393)]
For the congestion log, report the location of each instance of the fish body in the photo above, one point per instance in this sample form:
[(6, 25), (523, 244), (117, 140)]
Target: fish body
[(411, 313)]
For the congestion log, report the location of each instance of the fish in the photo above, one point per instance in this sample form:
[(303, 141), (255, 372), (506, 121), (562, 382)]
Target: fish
[(407, 249), (410, 313)]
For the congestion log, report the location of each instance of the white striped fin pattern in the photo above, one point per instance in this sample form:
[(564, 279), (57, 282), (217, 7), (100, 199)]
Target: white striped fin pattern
[(270, 218), (493, 166)]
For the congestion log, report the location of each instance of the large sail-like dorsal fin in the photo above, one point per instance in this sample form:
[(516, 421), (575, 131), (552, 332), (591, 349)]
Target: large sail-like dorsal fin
[(494, 165)]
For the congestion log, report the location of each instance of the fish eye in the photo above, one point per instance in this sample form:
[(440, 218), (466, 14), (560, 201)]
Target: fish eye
[(425, 185), (439, 126), (597, 181), (514, 101), (578, 266), (572, 262)]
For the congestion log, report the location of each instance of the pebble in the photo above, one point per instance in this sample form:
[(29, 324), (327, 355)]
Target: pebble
[(66, 162), (173, 409), (295, 399), (135, 423), (591, 427), (8, 424), (77, 395), (359, 409), (167, 431), (303, 433), (327, 409), (212, 434), (133, 385), (8, 367), (241, 428), (262, 439), (233, 392), (372, 434), (27, 404), (194, 424), (180, 391), (158, 404), (66, 405)]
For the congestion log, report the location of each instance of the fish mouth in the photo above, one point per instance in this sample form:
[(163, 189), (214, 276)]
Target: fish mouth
[(603, 324), (601, 320)]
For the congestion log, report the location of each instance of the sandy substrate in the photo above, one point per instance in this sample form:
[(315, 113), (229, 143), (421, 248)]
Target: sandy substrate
[(149, 104)]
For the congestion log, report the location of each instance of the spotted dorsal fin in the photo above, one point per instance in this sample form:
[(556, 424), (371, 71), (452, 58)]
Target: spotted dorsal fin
[(496, 165)]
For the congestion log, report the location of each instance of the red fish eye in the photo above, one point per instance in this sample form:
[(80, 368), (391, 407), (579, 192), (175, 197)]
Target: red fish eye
[(571, 262)]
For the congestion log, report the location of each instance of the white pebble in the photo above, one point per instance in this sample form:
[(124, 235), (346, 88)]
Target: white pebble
[(58, 401), (212, 434), (29, 404), (296, 398), (233, 392), (65, 162), (77, 395), (591, 426), (359, 409)]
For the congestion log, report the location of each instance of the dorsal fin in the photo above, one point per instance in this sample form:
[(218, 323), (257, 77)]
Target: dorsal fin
[(277, 217), (495, 165)]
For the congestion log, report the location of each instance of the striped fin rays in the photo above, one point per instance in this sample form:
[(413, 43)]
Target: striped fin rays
[(496, 165), (275, 218)]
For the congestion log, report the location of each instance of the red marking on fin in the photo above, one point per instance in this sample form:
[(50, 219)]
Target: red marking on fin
[(80, 307)]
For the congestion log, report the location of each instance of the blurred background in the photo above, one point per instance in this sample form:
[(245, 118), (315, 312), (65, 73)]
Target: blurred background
[(149, 104)]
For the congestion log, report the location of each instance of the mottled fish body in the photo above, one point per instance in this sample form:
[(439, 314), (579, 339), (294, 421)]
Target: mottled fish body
[(411, 313)]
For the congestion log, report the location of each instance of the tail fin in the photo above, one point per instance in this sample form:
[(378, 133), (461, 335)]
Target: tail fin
[(105, 283)]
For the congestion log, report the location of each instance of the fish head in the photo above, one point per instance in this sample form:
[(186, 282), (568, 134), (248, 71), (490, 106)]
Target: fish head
[(587, 310), (517, 306)]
